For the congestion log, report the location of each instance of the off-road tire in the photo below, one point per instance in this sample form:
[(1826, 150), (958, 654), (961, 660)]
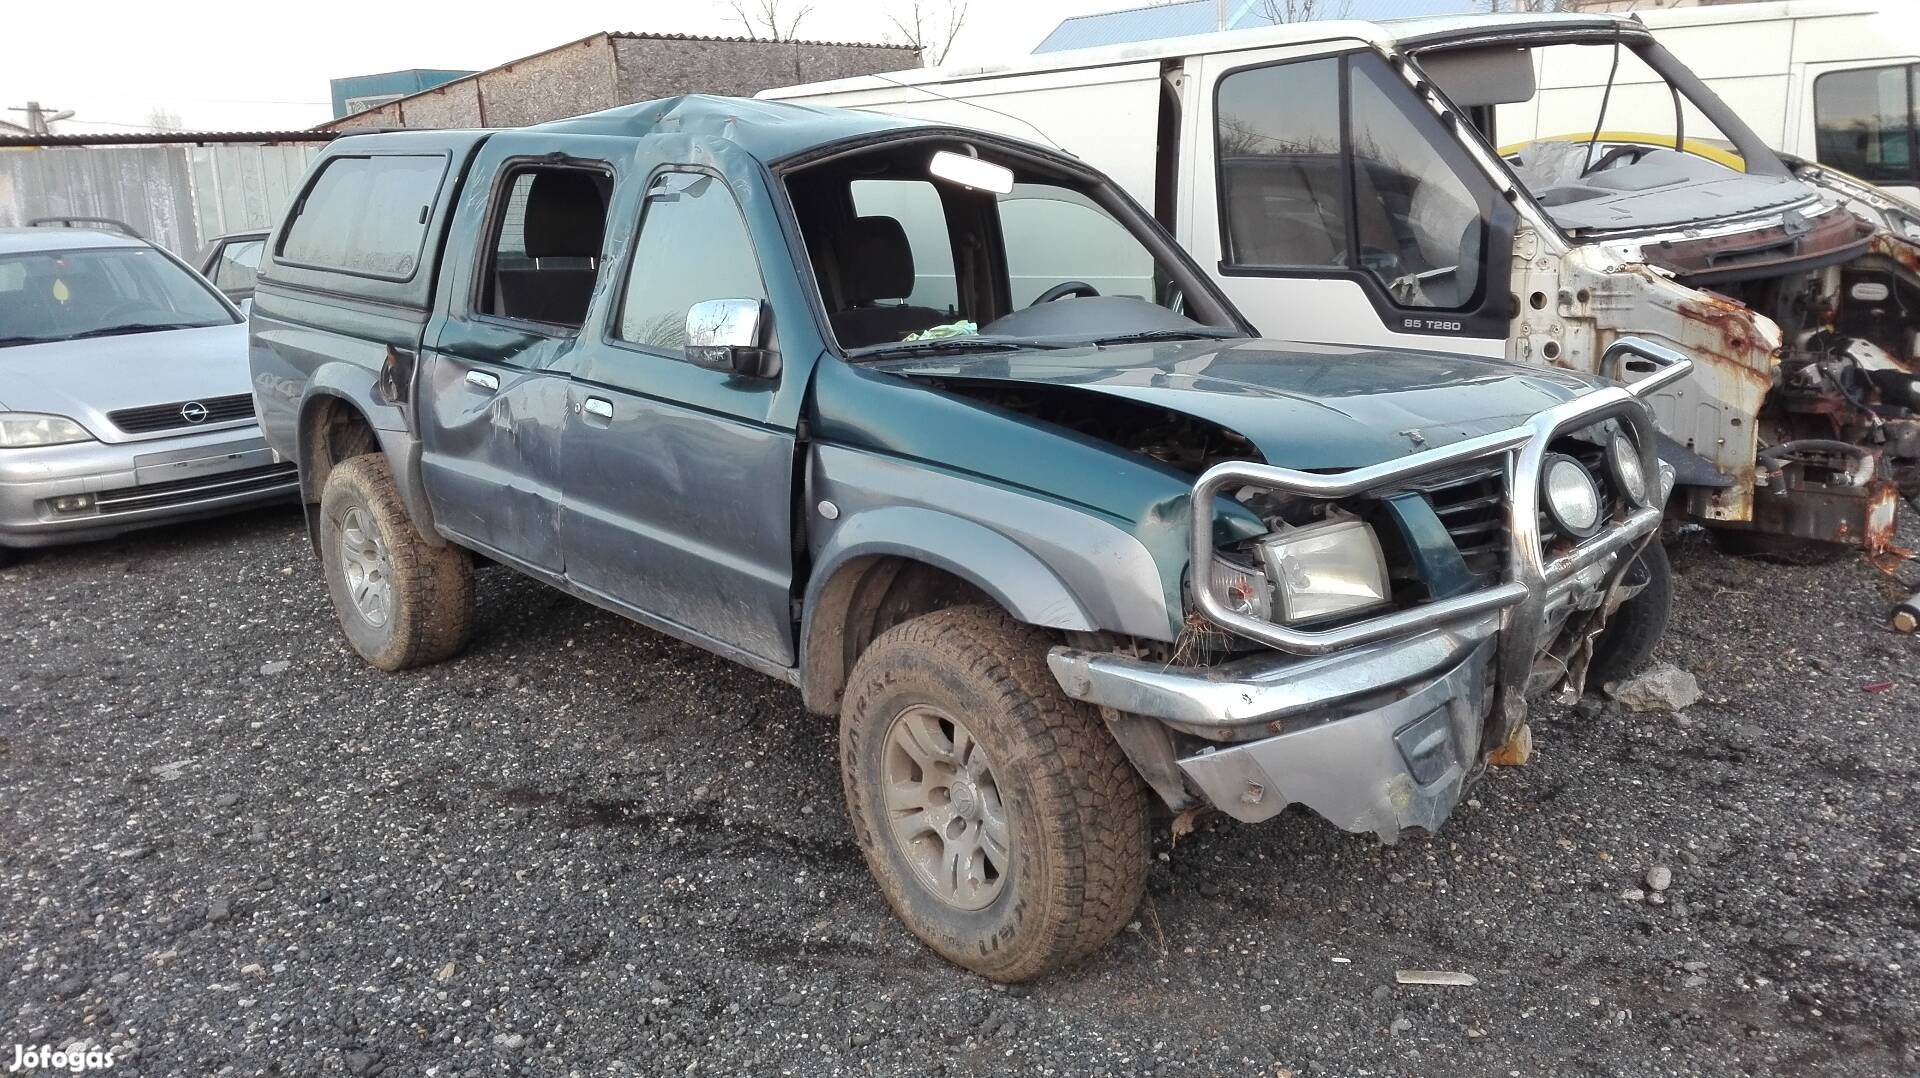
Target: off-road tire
[(432, 587), (1628, 641), (1076, 810), (1778, 549)]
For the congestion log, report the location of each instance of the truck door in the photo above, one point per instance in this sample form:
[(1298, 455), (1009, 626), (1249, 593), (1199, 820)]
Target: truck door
[(1333, 205), (522, 263), (678, 481)]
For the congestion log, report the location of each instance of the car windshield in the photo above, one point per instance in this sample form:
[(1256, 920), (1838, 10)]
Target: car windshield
[(919, 246), (1611, 133), (100, 292)]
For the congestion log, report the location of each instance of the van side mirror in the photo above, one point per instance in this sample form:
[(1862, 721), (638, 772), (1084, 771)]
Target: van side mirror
[(725, 334)]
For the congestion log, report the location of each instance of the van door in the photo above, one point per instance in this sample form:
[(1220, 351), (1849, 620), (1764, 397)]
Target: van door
[(1332, 205), (678, 499), (521, 269), (1865, 121)]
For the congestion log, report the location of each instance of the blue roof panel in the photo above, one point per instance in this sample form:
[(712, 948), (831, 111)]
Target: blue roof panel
[(1198, 17)]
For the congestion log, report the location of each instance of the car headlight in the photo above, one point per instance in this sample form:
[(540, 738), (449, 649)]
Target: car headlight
[(1623, 464), (1318, 571), (19, 430), (1573, 500)]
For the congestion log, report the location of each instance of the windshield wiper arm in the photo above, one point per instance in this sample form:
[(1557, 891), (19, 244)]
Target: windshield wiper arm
[(135, 327), (1197, 333), (948, 345), (6, 341)]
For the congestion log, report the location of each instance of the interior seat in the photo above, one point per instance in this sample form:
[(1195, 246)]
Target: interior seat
[(566, 220), (874, 262)]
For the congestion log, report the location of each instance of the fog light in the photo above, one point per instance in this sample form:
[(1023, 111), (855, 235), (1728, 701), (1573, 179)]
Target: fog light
[(73, 503), (1573, 500), (1623, 461)]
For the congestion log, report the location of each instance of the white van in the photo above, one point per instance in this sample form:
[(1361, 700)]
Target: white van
[(1339, 179), (1830, 81)]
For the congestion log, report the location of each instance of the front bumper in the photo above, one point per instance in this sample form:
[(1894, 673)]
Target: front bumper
[(1376, 724), (135, 484)]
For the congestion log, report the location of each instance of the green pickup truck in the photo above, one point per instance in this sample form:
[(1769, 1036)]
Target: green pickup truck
[(942, 429)]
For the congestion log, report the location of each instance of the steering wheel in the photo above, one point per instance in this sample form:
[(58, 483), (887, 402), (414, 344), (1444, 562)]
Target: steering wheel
[(1063, 290)]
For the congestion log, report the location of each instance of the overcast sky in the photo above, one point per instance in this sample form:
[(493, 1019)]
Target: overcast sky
[(266, 65)]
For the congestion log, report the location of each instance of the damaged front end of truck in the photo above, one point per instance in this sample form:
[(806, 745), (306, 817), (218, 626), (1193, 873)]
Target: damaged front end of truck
[(1795, 290)]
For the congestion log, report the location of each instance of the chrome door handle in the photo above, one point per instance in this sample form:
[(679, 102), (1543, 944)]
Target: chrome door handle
[(601, 409), (483, 380)]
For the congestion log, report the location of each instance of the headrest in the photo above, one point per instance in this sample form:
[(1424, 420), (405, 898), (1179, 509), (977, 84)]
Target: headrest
[(566, 215), (875, 260)]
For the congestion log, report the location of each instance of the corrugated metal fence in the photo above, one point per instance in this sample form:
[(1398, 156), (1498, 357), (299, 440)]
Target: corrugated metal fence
[(178, 196)]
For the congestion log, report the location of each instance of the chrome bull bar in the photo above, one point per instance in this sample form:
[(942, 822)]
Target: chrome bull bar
[(1531, 580)]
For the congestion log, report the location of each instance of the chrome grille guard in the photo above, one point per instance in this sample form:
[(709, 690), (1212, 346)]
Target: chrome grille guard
[(1530, 579)]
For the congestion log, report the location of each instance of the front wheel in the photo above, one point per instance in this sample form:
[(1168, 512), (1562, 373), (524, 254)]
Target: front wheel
[(401, 601), (1627, 641), (1002, 822)]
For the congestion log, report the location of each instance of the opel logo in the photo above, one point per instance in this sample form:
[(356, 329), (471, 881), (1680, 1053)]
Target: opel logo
[(193, 412)]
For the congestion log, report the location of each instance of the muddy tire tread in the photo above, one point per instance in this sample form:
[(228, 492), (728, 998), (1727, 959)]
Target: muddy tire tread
[(1092, 805)]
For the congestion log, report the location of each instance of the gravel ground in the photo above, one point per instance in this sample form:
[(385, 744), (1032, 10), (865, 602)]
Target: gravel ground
[(228, 847)]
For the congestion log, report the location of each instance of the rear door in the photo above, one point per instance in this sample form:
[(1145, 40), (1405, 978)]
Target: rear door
[(521, 271), (1332, 205), (678, 475)]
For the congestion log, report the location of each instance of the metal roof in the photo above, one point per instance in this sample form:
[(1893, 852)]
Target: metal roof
[(769, 130), (760, 40), (1200, 17), (157, 138)]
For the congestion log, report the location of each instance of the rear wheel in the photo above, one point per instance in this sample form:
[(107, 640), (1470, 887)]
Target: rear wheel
[(401, 602), (1002, 822), (1630, 635)]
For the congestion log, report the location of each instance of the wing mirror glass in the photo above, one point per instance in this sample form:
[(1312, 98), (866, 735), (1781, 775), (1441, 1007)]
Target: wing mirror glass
[(971, 172), (725, 334)]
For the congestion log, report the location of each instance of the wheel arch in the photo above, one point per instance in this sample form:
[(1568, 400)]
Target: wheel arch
[(887, 565), (334, 427)]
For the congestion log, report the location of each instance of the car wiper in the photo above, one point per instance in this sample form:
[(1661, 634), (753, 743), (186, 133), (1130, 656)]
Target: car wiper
[(1197, 333), (135, 327), (951, 345), (6, 341)]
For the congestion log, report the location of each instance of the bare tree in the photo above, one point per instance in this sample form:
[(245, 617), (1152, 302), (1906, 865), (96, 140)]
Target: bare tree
[(930, 26), (773, 20), (1285, 11), (162, 118), (1527, 7)]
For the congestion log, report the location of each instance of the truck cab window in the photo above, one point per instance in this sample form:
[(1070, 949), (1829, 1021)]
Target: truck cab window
[(545, 253), (693, 247), (1864, 123)]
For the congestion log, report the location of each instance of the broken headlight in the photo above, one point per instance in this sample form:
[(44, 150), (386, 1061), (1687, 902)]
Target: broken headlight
[(1305, 574)]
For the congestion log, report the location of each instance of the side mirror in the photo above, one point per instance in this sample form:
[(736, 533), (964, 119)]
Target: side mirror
[(725, 334)]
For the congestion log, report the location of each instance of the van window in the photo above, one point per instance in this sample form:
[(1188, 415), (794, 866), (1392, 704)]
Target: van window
[(1281, 173), (693, 246), (1420, 228), (1382, 197), (916, 205), (1864, 123), (549, 225), (365, 215)]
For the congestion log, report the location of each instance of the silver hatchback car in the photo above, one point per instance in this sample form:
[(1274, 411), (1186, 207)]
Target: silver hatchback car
[(124, 399)]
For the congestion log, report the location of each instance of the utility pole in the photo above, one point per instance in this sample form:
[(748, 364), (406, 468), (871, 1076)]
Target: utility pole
[(38, 117)]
